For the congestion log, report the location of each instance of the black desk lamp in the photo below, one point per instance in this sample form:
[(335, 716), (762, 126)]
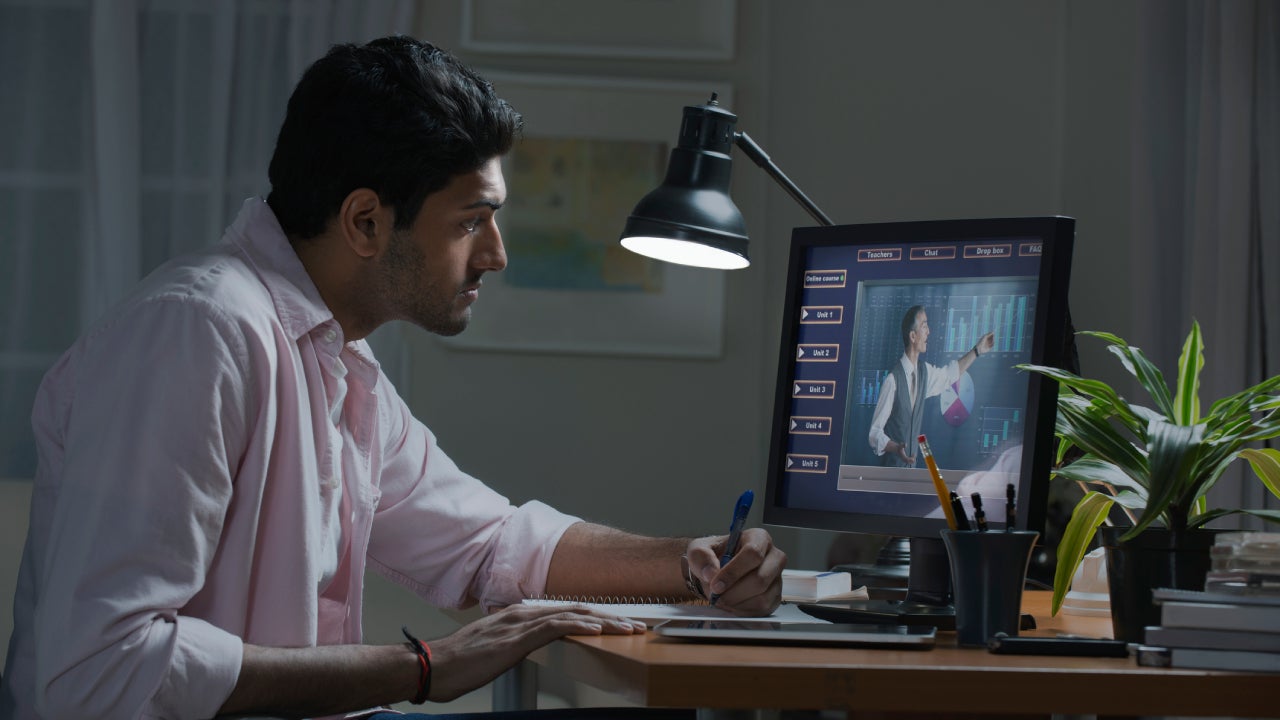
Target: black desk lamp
[(690, 218)]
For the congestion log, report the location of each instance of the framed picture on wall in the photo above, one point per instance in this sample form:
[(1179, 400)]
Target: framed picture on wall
[(653, 29), (591, 148)]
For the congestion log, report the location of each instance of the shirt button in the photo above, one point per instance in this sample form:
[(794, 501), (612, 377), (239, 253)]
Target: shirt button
[(330, 335)]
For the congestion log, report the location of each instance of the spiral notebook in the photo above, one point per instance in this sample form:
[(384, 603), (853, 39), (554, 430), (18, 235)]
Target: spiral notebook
[(652, 612)]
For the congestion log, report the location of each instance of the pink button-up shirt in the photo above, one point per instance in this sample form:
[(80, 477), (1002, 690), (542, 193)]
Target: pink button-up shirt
[(216, 465)]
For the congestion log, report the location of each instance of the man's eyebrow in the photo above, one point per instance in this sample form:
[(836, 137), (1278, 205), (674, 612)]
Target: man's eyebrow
[(491, 204)]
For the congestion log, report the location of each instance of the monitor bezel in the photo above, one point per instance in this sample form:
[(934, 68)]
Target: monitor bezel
[(1057, 233)]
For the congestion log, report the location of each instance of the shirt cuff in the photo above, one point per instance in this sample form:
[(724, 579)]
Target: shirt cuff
[(879, 445), (523, 557), (203, 670)]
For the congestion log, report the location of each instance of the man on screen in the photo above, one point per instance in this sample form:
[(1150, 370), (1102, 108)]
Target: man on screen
[(899, 415)]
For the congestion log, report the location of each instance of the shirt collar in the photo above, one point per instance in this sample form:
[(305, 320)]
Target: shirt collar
[(258, 235)]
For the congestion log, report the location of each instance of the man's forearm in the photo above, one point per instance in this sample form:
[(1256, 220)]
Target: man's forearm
[(593, 560), (305, 682)]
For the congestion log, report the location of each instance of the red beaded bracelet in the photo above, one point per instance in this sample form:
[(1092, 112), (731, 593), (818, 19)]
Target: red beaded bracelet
[(424, 659)]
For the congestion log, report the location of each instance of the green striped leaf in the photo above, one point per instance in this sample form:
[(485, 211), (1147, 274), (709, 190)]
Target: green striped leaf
[(1208, 517), (1106, 336), (1266, 465), (1186, 404), (1268, 515), (1096, 436), (1089, 513), (1150, 377), (1172, 453), (1131, 500), (1232, 405), (1103, 394), (1097, 471)]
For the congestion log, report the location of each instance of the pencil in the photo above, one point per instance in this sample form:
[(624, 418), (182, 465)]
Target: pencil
[(938, 486)]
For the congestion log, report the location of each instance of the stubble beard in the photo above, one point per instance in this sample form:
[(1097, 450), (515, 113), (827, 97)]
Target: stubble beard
[(408, 288)]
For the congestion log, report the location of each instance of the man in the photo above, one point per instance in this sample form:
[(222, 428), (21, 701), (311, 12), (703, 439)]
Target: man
[(220, 455), (896, 423)]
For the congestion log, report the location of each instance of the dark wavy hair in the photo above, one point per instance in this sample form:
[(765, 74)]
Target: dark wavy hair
[(398, 116), (909, 323)]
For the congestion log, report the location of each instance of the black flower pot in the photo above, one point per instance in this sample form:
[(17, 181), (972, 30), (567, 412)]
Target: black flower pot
[(1157, 558)]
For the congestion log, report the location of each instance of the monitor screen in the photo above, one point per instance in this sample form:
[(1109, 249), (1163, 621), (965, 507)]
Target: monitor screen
[(878, 347)]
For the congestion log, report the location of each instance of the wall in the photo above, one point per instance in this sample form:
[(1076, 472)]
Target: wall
[(653, 445), (880, 111), (914, 110)]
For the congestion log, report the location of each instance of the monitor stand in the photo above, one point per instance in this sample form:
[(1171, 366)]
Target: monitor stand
[(918, 589)]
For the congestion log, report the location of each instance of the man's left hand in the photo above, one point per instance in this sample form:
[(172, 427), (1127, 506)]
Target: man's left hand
[(751, 583)]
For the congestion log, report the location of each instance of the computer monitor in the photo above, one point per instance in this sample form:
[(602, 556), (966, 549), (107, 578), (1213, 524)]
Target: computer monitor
[(861, 300)]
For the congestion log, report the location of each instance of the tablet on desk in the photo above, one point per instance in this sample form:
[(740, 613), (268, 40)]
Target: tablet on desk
[(841, 634)]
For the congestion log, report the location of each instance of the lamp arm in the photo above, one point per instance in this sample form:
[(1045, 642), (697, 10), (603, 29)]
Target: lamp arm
[(761, 158)]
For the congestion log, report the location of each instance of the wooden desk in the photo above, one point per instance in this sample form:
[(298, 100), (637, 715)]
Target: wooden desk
[(658, 672)]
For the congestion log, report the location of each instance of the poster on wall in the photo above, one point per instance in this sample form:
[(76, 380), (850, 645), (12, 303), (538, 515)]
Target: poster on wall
[(591, 148)]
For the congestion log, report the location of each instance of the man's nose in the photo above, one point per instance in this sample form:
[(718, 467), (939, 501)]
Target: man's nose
[(492, 256)]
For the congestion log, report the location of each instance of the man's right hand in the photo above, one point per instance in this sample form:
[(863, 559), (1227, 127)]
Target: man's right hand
[(335, 679), (482, 650), (899, 449)]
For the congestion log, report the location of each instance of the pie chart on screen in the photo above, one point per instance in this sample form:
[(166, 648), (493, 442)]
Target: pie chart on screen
[(956, 401)]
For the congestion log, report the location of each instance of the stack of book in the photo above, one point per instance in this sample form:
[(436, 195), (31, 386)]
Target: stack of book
[(1234, 623)]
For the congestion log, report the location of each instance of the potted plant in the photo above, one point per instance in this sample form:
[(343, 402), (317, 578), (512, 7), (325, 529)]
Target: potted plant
[(1157, 463)]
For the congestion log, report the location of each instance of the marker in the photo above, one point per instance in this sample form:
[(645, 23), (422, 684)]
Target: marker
[(1010, 508), (979, 517), (938, 486), (735, 531), (962, 520)]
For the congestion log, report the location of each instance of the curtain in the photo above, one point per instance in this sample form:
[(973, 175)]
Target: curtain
[(1206, 197), (140, 129)]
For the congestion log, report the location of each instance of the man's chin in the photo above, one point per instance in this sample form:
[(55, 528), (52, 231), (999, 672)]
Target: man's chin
[(447, 328)]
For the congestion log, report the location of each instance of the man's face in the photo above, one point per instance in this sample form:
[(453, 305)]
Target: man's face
[(430, 273), (920, 335)]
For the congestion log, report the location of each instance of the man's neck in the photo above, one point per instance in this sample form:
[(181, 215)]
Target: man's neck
[(335, 283)]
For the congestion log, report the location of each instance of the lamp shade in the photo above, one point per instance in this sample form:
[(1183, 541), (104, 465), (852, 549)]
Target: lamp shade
[(690, 218)]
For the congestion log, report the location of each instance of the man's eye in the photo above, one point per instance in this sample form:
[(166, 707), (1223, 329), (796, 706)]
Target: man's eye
[(471, 225)]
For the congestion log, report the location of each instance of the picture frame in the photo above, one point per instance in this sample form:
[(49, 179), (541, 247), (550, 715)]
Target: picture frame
[(655, 29), (591, 149)]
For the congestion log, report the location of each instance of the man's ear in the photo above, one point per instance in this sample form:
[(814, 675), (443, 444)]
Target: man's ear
[(365, 223)]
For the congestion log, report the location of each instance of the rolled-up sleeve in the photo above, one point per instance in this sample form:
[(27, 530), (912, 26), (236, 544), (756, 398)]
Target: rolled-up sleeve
[(139, 501), (941, 377), (447, 536)]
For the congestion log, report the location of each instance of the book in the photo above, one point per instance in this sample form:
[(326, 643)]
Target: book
[(1222, 616), (655, 612), (1245, 562), (815, 585), (1161, 595), (1224, 659), (1210, 639), (1243, 582)]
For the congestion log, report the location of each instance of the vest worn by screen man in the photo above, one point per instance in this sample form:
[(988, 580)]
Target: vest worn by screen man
[(907, 417)]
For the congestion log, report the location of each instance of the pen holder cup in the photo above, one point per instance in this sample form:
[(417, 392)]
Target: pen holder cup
[(988, 570)]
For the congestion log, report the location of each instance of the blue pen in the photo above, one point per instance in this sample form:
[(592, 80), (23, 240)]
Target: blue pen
[(735, 531)]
